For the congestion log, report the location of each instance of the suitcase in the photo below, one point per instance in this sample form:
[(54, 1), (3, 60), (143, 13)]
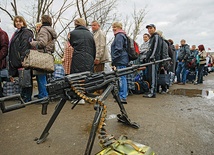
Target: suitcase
[(163, 79), (191, 76), (11, 88)]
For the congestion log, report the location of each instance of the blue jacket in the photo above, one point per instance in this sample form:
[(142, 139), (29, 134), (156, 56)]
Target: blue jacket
[(119, 54)]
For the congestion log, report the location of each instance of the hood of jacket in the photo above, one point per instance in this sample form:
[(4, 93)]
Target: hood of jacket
[(119, 31), (51, 31)]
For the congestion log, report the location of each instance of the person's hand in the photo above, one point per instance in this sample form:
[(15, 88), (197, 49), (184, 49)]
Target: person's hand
[(183, 60), (11, 79), (96, 62), (114, 68)]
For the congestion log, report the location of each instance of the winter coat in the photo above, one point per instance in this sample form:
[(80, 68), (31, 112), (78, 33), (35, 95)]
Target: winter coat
[(19, 43), (202, 57), (155, 44), (4, 41), (67, 57), (82, 40), (144, 48), (119, 54), (183, 53), (101, 48), (45, 40)]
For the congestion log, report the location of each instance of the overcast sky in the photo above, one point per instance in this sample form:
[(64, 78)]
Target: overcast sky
[(192, 20)]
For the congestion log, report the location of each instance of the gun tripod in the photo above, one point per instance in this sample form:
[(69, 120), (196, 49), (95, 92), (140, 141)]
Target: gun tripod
[(98, 124)]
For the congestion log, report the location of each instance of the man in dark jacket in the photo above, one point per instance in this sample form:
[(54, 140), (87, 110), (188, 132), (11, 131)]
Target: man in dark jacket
[(155, 45), (119, 57), (182, 62), (4, 41), (81, 39)]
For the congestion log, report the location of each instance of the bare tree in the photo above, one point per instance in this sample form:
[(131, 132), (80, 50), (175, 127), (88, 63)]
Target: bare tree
[(132, 26), (68, 10)]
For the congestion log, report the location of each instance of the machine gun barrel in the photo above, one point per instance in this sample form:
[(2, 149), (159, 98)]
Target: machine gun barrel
[(92, 81)]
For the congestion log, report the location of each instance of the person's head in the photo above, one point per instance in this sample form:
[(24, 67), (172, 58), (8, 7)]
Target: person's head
[(171, 41), (176, 46), (193, 47), (146, 37), (19, 22), (38, 26), (183, 42), (151, 28), (201, 47), (46, 20), (95, 25), (117, 26), (80, 22)]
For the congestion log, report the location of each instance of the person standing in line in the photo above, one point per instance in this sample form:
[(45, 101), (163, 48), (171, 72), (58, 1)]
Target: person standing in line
[(120, 58), (19, 43), (144, 49), (182, 62), (4, 41), (155, 44), (82, 40), (202, 62), (101, 49), (67, 57), (45, 42)]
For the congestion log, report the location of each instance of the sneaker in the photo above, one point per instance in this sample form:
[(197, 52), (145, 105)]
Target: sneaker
[(151, 95), (181, 83), (123, 101)]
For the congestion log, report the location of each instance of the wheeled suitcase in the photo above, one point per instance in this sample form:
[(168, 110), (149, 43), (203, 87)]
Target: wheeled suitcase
[(191, 76)]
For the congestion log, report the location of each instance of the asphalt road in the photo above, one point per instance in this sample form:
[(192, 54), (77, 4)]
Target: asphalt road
[(170, 124)]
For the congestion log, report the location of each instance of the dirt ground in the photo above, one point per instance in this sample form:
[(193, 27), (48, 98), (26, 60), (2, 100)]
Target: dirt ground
[(170, 124)]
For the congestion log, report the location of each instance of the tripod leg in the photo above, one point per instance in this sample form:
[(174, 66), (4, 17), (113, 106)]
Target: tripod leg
[(97, 117), (45, 133), (95, 124), (123, 117)]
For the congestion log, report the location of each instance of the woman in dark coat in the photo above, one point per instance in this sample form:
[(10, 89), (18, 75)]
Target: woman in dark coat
[(19, 43), (81, 39)]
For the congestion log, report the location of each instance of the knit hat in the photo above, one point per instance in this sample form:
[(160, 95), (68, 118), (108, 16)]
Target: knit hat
[(80, 21)]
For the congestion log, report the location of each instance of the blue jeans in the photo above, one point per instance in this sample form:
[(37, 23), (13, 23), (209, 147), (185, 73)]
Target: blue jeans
[(122, 85), (41, 81), (181, 69)]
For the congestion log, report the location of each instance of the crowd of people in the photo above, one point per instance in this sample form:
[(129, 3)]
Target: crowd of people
[(88, 51)]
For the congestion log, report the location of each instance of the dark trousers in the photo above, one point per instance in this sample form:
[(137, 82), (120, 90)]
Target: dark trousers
[(26, 94), (200, 73), (152, 71)]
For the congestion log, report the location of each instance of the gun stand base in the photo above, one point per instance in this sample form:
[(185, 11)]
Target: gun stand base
[(125, 120), (41, 140)]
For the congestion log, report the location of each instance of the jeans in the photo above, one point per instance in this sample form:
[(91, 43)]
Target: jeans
[(41, 81), (181, 69), (200, 73), (123, 90)]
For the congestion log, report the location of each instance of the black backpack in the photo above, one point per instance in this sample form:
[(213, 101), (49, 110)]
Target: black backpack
[(166, 50), (132, 49), (141, 86)]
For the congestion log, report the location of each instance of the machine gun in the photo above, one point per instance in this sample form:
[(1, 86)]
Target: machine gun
[(79, 86)]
